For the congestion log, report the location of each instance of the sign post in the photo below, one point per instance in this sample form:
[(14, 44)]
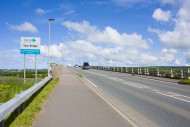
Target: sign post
[(30, 45), (24, 68)]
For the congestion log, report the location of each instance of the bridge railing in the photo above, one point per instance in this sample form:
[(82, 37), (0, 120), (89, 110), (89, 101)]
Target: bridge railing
[(166, 72), (18, 101)]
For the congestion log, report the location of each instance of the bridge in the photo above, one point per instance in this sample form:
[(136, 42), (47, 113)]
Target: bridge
[(110, 97)]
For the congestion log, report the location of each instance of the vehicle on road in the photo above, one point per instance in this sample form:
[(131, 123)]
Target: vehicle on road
[(76, 66), (86, 65)]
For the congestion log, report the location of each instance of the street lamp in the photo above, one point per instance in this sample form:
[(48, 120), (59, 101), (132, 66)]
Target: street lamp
[(57, 53), (50, 20)]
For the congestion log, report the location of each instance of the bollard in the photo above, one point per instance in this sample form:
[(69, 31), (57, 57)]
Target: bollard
[(188, 73), (126, 70), (138, 70), (121, 69), (132, 70)]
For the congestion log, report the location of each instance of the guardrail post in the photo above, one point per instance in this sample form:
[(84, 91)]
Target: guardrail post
[(2, 123), (158, 72), (182, 73), (147, 71), (172, 75), (20, 108)]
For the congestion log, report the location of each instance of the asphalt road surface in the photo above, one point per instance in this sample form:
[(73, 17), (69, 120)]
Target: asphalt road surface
[(145, 102)]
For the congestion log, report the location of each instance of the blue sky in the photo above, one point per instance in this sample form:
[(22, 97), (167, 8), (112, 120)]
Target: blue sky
[(102, 32)]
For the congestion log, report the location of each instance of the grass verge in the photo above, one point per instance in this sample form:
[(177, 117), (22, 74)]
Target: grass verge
[(26, 118), (79, 75), (185, 81)]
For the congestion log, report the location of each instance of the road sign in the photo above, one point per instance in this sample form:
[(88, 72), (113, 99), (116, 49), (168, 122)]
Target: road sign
[(30, 45)]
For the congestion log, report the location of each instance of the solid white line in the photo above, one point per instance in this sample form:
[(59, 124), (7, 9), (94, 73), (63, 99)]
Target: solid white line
[(172, 97), (111, 105), (91, 82)]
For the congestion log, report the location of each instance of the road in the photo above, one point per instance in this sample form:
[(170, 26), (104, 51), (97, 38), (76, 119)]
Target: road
[(145, 102)]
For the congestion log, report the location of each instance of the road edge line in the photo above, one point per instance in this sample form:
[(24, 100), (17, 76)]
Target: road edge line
[(111, 105)]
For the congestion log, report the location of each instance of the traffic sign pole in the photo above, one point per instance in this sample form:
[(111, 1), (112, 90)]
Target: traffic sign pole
[(35, 70), (24, 68)]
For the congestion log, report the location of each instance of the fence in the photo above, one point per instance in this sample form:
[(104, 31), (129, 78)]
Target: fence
[(165, 71), (18, 101)]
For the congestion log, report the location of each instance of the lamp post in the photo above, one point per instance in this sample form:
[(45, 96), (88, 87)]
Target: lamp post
[(57, 53), (50, 20)]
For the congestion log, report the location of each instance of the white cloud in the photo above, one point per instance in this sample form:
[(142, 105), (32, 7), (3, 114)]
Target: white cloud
[(161, 15), (24, 27), (40, 11), (129, 3), (169, 51), (169, 1), (109, 35), (69, 12), (177, 62), (177, 38)]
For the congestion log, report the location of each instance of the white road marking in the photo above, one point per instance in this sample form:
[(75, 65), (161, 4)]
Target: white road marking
[(91, 82), (172, 96), (175, 94), (131, 84), (112, 106)]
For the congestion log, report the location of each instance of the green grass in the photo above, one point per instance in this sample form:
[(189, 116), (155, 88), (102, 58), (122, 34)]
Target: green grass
[(79, 75), (26, 118), (10, 86), (185, 81)]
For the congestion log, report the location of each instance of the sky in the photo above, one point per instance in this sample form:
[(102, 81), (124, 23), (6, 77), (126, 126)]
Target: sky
[(102, 32)]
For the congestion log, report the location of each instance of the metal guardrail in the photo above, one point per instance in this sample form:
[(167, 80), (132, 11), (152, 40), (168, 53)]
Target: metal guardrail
[(19, 99), (182, 72)]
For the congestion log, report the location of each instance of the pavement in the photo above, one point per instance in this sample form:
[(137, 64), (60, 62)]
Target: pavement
[(73, 103)]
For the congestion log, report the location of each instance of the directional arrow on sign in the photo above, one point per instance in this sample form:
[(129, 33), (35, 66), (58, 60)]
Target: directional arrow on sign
[(33, 40)]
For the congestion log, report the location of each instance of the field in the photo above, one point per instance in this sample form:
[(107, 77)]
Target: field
[(11, 82)]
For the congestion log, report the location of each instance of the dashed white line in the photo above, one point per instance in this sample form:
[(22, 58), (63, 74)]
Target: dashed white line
[(175, 94), (145, 87), (172, 96)]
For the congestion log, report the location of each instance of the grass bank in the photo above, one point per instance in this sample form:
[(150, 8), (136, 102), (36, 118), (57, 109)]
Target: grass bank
[(185, 81), (9, 86), (34, 106)]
